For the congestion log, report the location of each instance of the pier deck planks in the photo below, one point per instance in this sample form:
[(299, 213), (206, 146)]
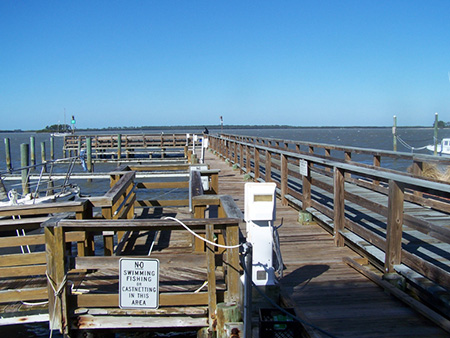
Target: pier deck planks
[(324, 290)]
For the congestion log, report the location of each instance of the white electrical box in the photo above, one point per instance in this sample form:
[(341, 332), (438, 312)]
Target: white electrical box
[(260, 201), (259, 215)]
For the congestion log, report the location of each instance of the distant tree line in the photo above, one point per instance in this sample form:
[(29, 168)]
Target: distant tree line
[(54, 128)]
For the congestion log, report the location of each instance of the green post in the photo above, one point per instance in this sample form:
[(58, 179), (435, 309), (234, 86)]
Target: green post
[(436, 122), (43, 155), (24, 162), (32, 150), (119, 146), (89, 154), (8, 153), (394, 133), (52, 148)]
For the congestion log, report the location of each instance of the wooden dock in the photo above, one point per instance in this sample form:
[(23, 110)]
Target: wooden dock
[(319, 281), (365, 249), (324, 290)]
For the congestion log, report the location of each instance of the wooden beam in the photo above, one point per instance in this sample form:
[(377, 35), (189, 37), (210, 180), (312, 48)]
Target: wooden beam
[(339, 206), (211, 268), (394, 226)]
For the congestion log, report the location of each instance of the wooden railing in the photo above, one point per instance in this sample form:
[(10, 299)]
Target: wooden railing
[(23, 258), (353, 155), (361, 205), (118, 145), (166, 180), (67, 308)]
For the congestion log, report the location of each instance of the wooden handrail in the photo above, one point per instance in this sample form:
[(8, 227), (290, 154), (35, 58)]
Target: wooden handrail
[(59, 308), (281, 165)]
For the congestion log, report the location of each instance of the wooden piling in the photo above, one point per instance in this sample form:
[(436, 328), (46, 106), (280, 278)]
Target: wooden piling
[(43, 160), (89, 154), (52, 148), (24, 162), (8, 153), (119, 146), (227, 313), (32, 150), (394, 134)]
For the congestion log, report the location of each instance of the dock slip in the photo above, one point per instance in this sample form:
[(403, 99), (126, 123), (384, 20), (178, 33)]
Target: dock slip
[(364, 249)]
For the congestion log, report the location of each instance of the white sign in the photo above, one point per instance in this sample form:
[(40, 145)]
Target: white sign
[(139, 283), (303, 167)]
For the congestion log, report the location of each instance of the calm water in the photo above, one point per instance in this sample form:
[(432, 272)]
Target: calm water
[(372, 138)]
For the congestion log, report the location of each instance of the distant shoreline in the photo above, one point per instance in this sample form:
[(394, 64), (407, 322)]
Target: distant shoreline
[(225, 127)]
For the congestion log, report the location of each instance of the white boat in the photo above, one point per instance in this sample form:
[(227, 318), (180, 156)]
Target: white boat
[(58, 134), (443, 148), (46, 189)]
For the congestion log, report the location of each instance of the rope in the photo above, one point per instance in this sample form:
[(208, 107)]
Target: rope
[(406, 145), (204, 239), (57, 293)]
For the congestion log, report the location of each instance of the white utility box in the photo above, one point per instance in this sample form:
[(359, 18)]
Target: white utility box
[(259, 215)]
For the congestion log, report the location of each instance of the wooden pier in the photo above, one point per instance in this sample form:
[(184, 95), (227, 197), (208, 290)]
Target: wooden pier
[(338, 265), (365, 248), (130, 146)]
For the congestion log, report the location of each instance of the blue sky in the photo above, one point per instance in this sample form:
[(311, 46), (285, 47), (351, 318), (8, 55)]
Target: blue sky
[(306, 63)]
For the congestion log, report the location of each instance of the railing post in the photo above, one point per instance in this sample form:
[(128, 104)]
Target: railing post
[(339, 206), (86, 248), (56, 271), (241, 158), (248, 161), (211, 268), (327, 154), (232, 257), (235, 152), (376, 163), (284, 179), (256, 151), (306, 190), (393, 254), (268, 167), (348, 158)]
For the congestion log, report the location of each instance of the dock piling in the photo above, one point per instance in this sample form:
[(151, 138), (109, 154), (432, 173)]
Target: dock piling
[(119, 146), (43, 160), (32, 150), (89, 153), (8, 153), (24, 162), (52, 148)]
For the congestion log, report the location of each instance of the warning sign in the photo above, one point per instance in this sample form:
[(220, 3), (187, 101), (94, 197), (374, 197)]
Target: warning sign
[(139, 283)]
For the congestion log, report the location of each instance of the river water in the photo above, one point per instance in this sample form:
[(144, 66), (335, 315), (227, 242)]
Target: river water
[(372, 138)]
